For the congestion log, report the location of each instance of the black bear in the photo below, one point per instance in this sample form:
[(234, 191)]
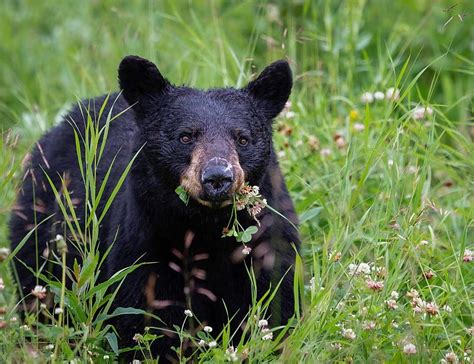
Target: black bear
[(212, 143)]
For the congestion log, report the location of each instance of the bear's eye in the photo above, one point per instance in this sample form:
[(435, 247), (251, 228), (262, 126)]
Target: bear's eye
[(243, 141), (186, 138)]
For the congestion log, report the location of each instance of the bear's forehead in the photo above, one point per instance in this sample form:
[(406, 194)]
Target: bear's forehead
[(216, 106)]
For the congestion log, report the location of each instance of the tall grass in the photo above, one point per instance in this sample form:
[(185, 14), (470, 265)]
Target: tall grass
[(371, 183)]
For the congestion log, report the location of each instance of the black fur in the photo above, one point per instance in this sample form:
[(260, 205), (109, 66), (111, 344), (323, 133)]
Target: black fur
[(148, 221)]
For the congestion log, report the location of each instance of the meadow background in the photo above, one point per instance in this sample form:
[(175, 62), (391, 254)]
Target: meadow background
[(384, 189)]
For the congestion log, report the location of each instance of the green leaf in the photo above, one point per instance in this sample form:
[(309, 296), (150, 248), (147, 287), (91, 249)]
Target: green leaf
[(183, 195), (112, 340)]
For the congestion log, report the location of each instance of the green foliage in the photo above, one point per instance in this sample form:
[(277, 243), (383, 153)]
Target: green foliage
[(371, 182)]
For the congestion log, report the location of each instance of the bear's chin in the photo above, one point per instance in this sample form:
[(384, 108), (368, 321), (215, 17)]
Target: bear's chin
[(214, 204)]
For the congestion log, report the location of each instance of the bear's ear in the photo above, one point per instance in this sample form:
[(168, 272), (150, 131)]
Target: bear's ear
[(272, 88), (140, 81)]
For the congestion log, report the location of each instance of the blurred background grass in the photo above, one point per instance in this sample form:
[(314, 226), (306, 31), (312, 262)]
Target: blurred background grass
[(349, 199)]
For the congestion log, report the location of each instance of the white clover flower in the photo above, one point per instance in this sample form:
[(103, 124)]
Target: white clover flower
[(2, 284), (208, 329), (49, 347), (421, 112), (370, 325), (4, 253), (379, 95), (348, 334), (58, 310), (359, 126), (390, 162), (39, 292), (201, 342), (106, 357), (409, 349), (247, 250), (325, 152), (392, 304), (468, 256), (367, 98), (357, 269), (262, 323), (188, 313), (392, 94), (451, 357), (394, 295), (212, 344), (268, 336), (136, 361)]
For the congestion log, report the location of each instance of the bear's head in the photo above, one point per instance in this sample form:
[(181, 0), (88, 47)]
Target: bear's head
[(208, 141)]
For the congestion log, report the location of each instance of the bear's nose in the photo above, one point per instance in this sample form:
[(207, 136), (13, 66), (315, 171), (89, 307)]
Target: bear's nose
[(217, 180)]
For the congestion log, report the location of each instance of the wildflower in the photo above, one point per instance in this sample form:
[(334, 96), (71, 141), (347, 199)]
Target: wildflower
[(353, 115), (409, 349), (106, 357), (246, 250), (13, 319), (375, 286), (262, 323), (231, 354), (392, 94), (4, 253), (392, 304), (313, 143), (212, 344), (424, 243), (468, 256), (39, 292), (470, 330), (370, 325), (340, 141), (325, 152), (240, 204), (413, 293), (201, 342), (208, 329), (390, 162), (58, 310), (255, 209), (432, 308), (188, 313), (420, 112), (357, 269), (395, 324), (2, 284), (136, 361), (412, 169), (61, 244), (367, 98), (348, 334), (379, 95), (429, 274), (268, 336), (359, 127), (43, 306), (137, 337), (336, 346), (394, 295), (3, 310), (451, 357), (246, 189), (49, 347), (447, 308), (337, 256), (25, 328)]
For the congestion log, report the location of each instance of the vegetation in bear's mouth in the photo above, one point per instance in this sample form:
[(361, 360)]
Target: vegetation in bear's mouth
[(248, 198), (382, 180)]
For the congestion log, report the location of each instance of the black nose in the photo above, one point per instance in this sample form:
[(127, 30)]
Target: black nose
[(217, 180)]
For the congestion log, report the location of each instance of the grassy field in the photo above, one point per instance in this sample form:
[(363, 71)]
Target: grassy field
[(377, 150)]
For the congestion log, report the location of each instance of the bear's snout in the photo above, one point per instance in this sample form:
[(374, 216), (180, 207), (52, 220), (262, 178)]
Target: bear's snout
[(217, 179)]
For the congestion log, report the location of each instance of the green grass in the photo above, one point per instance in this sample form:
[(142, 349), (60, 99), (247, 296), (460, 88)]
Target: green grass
[(363, 196)]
